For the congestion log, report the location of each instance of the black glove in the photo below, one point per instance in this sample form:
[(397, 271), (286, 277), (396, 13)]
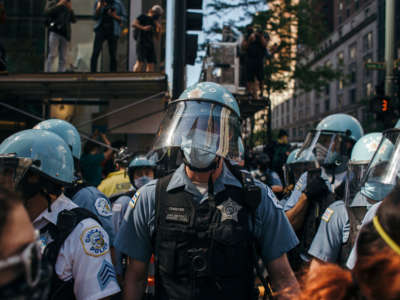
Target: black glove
[(316, 188)]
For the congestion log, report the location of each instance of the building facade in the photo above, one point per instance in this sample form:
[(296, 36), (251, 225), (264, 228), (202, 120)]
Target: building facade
[(352, 42)]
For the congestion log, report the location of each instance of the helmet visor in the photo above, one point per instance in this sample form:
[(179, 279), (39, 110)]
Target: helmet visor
[(354, 179), (297, 169), (385, 164), (202, 125), (326, 147), (13, 169)]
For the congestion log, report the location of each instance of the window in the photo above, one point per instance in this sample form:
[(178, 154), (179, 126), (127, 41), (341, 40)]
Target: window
[(327, 89), (327, 105), (353, 73), (357, 4), (340, 19), (367, 42), (294, 130), (316, 112), (368, 90), (340, 5), (367, 72), (340, 84), (353, 96), (340, 100), (340, 58), (287, 119), (353, 51)]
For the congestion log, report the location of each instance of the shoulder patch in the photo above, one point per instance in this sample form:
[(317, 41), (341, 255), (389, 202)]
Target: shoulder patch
[(103, 207), (327, 214), (135, 197), (106, 274), (273, 198), (93, 242)]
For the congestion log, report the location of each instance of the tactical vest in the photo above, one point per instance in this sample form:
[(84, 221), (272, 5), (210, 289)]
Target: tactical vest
[(202, 251), (310, 226), (356, 215), (67, 220)]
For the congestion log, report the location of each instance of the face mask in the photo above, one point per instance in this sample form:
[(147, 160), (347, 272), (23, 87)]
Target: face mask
[(198, 158), (141, 181), (376, 190)]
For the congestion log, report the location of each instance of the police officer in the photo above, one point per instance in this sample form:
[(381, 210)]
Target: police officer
[(380, 178), (266, 175), (72, 240), (330, 147), (80, 192), (341, 221), (200, 220)]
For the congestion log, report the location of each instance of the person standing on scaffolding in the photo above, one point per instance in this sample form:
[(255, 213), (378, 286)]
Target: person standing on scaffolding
[(254, 45)]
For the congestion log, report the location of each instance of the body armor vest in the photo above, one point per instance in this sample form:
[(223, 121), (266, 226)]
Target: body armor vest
[(202, 251), (310, 226), (67, 220), (356, 215)]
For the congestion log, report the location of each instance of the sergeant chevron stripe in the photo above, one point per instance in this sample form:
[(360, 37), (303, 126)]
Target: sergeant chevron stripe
[(106, 274)]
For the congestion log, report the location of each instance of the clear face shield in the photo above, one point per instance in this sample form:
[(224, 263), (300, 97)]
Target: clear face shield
[(328, 148), (354, 179), (13, 169), (383, 170), (201, 125), (293, 171)]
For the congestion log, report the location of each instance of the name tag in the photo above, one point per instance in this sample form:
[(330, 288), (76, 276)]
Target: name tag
[(177, 214)]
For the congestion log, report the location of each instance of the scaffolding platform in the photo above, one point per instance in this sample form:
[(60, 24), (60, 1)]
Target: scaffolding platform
[(81, 85)]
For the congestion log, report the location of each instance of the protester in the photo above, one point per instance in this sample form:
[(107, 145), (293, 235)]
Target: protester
[(110, 16), (23, 274), (266, 175), (376, 274), (147, 27), (59, 18), (281, 152)]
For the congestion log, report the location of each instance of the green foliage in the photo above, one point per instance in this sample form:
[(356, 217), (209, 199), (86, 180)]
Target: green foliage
[(298, 29)]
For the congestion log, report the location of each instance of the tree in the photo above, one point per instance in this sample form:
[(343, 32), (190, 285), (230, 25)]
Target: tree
[(296, 29)]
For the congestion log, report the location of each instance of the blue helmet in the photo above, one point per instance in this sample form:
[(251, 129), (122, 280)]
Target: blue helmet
[(66, 131), (365, 148), (210, 91), (342, 123), (48, 152), (204, 122), (292, 156), (141, 162)]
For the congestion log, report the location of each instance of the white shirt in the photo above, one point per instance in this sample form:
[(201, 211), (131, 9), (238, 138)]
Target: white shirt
[(84, 256)]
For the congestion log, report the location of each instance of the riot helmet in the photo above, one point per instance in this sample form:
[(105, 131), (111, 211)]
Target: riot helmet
[(361, 155), (38, 152), (383, 170), (138, 171), (332, 141), (204, 123), (297, 164)]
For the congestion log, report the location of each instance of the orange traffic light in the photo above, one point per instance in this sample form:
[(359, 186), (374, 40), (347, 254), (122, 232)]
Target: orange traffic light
[(384, 105)]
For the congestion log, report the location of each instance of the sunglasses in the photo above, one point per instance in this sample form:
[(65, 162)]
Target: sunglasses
[(30, 259)]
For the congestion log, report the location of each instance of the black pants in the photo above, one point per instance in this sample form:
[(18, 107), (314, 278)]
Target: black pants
[(100, 37)]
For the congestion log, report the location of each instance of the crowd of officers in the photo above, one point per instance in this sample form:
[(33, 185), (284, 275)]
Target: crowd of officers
[(207, 227)]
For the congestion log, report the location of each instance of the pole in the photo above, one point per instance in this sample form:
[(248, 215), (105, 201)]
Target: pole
[(389, 45), (179, 49)]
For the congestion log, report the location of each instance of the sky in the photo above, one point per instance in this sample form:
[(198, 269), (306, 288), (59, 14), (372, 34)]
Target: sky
[(233, 16)]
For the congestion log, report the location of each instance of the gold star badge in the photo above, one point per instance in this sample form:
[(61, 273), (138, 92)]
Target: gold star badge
[(229, 210)]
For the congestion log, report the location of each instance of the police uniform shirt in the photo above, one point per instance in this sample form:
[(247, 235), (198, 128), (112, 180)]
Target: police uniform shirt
[(119, 208), (270, 175), (84, 256), (96, 202), (351, 261), (272, 229), (115, 183), (334, 230), (275, 180)]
